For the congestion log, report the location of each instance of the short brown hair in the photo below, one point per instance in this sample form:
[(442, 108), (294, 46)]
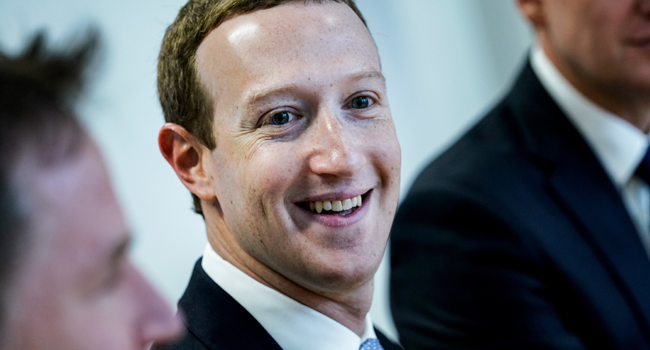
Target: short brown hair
[(183, 99)]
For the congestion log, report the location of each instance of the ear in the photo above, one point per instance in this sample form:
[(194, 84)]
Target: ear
[(534, 11), (185, 153)]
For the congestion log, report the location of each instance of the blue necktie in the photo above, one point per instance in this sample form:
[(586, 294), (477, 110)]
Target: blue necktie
[(643, 171), (371, 344)]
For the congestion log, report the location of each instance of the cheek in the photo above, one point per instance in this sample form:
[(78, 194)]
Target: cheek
[(29, 331), (256, 186), (568, 24), (386, 153), (44, 291), (100, 328), (273, 169), (105, 322), (591, 30), (387, 159), (72, 324)]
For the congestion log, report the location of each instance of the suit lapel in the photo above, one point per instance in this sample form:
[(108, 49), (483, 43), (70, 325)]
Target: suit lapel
[(597, 205), (220, 323), (584, 190), (217, 320), (385, 342)]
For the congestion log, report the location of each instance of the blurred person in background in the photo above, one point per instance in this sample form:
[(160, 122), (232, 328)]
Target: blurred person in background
[(66, 281), (279, 125), (532, 231)]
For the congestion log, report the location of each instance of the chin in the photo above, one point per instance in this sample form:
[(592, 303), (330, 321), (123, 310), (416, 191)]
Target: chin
[(344, 274)]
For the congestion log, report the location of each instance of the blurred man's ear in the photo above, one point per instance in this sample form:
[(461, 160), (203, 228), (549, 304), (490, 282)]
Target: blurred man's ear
[(184, 153), (533, 11)]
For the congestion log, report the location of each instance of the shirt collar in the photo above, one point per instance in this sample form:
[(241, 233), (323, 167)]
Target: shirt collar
[(618, 144), (291, 324)]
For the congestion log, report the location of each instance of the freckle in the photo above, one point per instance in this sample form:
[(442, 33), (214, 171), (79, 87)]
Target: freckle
[(391, 168), (230, 202), (308, 78), (331, 85)]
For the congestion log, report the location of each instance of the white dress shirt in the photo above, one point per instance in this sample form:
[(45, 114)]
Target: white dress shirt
[(618, 145), (292, 325)]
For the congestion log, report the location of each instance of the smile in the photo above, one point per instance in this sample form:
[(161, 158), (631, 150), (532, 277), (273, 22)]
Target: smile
[(336, 206), (342, 207)]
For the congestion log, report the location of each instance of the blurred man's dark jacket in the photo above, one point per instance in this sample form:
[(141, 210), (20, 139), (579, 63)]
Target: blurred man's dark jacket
[(516, 238)]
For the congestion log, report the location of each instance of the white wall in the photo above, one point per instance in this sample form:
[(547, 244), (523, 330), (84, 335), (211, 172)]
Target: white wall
[(446, 62)]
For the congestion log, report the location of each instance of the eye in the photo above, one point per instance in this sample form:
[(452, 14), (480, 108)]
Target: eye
[(360, 102), (280, 118)]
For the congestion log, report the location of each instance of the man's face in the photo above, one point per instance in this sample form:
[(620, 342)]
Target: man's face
[(606, 43), (301, 117), (75, 288)]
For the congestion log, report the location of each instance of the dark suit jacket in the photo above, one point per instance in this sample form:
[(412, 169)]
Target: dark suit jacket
[(516, 238), (215, 321)]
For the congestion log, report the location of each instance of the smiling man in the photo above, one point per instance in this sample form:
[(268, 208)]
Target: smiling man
[(279, 125)]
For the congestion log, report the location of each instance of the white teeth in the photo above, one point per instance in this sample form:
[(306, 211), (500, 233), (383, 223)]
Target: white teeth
[(345, 204)]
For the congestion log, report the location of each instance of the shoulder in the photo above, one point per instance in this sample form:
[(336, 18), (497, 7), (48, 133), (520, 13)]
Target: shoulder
[(488, 152), (503, 146), (486, 191), (215, 321)]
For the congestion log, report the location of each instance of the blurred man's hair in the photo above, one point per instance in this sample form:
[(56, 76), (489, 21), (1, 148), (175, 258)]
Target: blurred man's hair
[(182, 97), (38, 90)]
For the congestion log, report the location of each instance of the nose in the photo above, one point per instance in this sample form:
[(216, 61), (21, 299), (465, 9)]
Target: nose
[(156, 322), (333, 147)]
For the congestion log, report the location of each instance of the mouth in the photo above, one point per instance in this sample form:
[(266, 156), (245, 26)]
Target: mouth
[(336, 207)]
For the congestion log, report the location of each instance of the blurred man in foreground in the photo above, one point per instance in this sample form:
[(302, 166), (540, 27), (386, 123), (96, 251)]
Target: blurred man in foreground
[(532, 231), (65, 276), (279, 125)]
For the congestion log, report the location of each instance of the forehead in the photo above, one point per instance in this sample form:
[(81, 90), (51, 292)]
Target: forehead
[(73, 215), (286, 44)]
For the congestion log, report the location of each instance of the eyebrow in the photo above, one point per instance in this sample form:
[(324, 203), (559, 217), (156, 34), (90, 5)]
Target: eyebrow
[(262, 94), (372, 73)]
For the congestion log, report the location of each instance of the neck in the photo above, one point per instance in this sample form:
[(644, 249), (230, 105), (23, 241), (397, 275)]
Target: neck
[(626, 103), (349, 308)]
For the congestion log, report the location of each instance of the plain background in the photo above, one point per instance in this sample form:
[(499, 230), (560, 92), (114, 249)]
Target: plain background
[(446, 63)]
